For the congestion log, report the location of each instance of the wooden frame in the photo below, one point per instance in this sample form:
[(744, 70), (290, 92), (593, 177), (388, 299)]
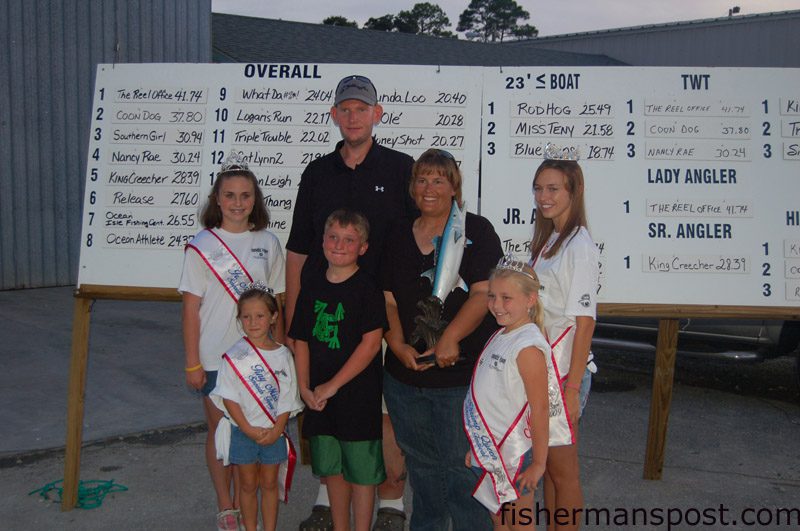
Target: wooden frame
[(666, 348), (79, 357)]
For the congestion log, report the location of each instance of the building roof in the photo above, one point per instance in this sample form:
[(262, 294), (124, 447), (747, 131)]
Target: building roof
[(260, 40), (667, 26), (760, 40)]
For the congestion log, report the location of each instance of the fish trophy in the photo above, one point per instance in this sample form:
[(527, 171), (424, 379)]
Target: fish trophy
[(448, 251)]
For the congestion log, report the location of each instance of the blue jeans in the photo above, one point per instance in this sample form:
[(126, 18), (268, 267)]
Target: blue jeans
[(527, 460), (245, 451), (586, 386), (428, 426)]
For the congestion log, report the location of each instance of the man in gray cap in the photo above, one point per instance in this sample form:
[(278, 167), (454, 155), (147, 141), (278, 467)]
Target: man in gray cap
[(364, 176)]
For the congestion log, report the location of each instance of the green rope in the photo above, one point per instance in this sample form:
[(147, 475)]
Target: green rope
[(90, 492)]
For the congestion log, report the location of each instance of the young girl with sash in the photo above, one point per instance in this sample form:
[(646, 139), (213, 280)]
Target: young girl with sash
[(567, 262), (257, 388), (506, 411), (233, 250)]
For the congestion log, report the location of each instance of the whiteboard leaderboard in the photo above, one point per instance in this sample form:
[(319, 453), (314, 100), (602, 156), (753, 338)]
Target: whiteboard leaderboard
[(692, 175), (160, 132)]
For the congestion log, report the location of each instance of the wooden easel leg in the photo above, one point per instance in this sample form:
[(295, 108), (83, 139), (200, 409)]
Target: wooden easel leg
[(75, 397), (663, 376)]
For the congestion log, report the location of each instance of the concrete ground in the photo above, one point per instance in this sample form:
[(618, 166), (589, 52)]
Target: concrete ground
[(730, 459)]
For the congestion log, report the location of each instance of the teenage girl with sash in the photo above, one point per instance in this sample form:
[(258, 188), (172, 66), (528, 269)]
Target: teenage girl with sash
[(233, 250), (257, 388), (506, 411), (566, 261)]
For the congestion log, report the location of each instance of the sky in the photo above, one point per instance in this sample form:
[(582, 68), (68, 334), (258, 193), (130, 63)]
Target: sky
[(551, 17)]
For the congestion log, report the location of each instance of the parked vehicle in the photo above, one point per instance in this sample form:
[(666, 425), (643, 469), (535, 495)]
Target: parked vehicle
[(731, 339)]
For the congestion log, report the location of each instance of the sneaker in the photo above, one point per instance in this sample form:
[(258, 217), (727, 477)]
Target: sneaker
[(389, 519), (319, 520), (228, 520)]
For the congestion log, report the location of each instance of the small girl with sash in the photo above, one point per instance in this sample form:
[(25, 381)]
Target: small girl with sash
[(232, 251), (257, 388), (506, 411)]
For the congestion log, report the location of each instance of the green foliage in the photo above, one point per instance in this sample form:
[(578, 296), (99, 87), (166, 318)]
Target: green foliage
[(524, 31), (495, 20), (430, 18), (422, 19), (406, 22), (384, 23), (337, 20)]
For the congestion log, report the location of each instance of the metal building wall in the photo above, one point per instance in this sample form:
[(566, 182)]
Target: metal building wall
[(765, 40), (48, 56)]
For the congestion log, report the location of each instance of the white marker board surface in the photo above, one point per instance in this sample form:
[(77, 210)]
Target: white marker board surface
[(692, 175), (160, 131)]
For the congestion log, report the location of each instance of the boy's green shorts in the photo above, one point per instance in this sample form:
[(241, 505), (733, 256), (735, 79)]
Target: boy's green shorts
[(360, 462)]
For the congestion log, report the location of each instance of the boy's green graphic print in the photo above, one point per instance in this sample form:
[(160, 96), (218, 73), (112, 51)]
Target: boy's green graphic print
[(326, 329)]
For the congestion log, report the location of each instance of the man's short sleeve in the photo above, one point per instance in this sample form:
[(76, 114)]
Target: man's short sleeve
[(301, 328), (301, 235)]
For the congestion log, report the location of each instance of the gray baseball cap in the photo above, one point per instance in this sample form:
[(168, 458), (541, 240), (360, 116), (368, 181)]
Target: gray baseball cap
[(356, 88)]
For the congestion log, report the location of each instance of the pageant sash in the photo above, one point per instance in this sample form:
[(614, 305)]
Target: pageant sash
[(256, 375), (223, 263), (561, 426), (562, 432), (500, 461), (260, 380)]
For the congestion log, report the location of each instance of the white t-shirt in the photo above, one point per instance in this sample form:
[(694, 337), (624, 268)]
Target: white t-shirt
[(498, 387), (230, 386), (569, 281), (261, 254)]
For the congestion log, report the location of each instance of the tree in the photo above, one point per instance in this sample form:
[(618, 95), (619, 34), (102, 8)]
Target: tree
[(384, 23), (525, 31), (494, 20), (405, 22), (337, 20), (422, 19), (428, 18)]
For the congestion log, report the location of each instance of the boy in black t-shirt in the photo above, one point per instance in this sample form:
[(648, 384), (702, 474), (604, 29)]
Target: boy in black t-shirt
[(338, 325)]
